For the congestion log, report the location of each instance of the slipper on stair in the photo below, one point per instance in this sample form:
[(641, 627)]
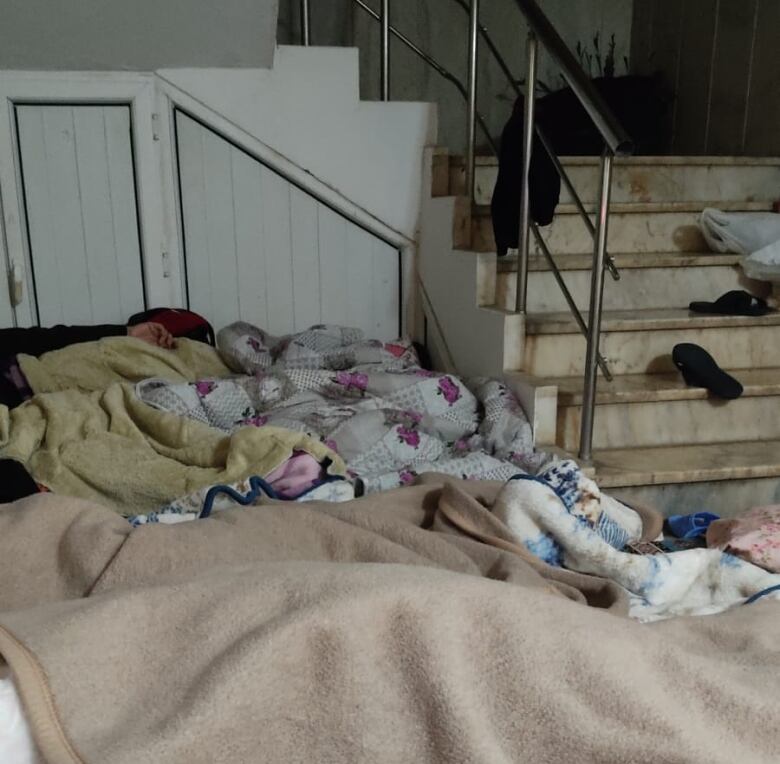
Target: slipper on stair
[(734, 303), (699, 369)]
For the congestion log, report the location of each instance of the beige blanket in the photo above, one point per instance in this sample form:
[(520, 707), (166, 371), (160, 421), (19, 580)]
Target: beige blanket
[(97, 365), (377, 631), (110, 447)]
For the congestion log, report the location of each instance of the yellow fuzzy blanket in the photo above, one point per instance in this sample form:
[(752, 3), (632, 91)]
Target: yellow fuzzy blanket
[(110, 447), (96, 365), (86, 435)]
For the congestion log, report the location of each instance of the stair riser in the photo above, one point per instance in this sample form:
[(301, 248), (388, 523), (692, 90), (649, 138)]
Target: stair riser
[(638, 288), (649, 351), (658, 183), (662, 423), (628, 232), (727, 498)]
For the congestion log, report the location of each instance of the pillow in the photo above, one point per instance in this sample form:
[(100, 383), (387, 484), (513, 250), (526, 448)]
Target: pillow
[(754, 536)]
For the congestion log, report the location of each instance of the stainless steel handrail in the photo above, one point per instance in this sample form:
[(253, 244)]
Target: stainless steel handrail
[(595, 311), (616, 143), (615, 137), (559, 168), (575, 311), (616, 140), (305, 23), (471, 129), (524, 238), (384, 73), (435, 65)]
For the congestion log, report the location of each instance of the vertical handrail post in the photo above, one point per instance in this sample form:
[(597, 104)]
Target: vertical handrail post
[(305, 23), (384, 65), (594, 314), (471, 131), (524, 238)]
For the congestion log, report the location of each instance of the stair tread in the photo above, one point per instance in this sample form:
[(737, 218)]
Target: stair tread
[(643, 320), (633, 388), (623, 260), (635, 208), (687, 464), (718, 161)]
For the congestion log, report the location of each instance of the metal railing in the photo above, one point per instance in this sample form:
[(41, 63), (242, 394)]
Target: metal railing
[(616, 143), (305, 23), (542, 34)]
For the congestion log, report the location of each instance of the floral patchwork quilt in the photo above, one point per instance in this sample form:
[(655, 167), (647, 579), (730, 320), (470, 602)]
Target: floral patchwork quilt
[(371, 402)]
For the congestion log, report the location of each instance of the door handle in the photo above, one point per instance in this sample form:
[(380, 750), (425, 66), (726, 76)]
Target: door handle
[(17, 284)]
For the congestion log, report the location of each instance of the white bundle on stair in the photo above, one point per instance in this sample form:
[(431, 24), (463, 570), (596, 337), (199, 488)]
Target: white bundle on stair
[(764, 265), (740, 232), (755, 234)]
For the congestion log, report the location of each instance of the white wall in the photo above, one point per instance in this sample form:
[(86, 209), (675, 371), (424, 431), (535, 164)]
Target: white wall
[(439, 27), (307, 109), (136, 35), (258, 249)]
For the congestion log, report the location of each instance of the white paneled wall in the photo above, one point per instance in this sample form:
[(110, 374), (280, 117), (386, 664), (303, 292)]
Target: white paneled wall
[(80, 204), (259, 249)]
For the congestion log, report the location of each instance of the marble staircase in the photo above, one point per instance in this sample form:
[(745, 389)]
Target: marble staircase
[(655, 438)]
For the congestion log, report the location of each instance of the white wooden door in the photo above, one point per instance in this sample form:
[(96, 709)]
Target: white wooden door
[(6, 286), (76, 164), (259, 249)]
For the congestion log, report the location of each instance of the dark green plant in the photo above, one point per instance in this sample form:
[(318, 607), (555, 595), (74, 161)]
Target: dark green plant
[(605, 61), (605, 66)]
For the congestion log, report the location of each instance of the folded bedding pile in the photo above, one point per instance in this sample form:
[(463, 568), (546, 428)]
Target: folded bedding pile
[(412, 625), (370, 402)]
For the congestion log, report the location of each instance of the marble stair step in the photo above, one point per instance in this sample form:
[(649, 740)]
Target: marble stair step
[(641, 341), (664, 280), (633, 227), (641, 388), (668, 465), (660, 409), (647, 179), (727, 498), (624, 260)]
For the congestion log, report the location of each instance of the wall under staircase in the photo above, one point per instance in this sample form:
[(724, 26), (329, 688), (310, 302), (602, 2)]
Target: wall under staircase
[(308, 109), (655, 438)]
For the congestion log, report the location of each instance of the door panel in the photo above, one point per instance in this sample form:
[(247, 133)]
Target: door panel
[(80, 203), (260, 249), (6, 311)]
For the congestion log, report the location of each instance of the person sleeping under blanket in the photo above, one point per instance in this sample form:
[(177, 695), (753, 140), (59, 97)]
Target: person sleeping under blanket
[(15, 481)]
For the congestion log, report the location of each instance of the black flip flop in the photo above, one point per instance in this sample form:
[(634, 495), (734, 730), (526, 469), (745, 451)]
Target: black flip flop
[(700, 370), (734, 303)]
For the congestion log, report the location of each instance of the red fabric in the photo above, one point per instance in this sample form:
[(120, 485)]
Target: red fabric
[(178, 322)]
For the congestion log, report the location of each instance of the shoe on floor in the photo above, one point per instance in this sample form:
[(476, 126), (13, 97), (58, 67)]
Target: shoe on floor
[(734, 303), (699, 369)]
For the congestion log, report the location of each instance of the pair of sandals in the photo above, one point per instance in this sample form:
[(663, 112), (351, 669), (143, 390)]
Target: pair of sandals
[(698, 367)]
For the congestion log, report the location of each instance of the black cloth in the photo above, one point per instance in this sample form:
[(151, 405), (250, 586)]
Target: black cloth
[(36, 341), (640, 106), (544, 182), (15, 481), (10, 394)]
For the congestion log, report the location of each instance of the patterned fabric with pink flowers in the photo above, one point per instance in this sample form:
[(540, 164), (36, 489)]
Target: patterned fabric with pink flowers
[(754, 536), (369, 401)]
